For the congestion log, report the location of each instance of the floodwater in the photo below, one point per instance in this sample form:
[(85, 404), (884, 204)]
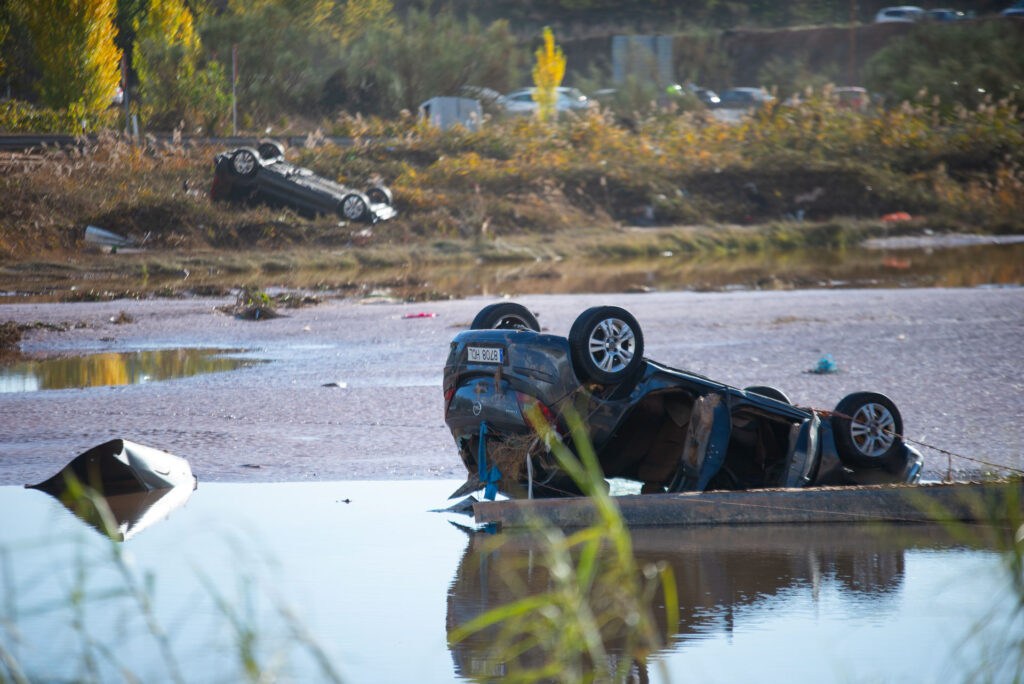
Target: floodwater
[(953, 264), (114, 368), (359, 582)]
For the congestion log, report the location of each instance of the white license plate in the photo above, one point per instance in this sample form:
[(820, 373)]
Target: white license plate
[(485, 354)]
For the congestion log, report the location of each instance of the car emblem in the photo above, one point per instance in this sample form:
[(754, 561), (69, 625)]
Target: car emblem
[(477, 408)]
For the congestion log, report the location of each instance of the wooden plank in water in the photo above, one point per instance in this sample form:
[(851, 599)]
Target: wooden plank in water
[(966, 501)]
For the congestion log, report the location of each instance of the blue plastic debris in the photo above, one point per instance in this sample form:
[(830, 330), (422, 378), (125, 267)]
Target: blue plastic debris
[(826, 365), (489, 476)]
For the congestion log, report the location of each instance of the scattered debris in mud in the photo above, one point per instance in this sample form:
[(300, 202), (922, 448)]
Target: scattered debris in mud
[(10, 338), (251, 304), (11, 332), (254, 304)]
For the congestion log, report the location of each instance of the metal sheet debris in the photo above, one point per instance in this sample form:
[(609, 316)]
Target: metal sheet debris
[(121, 487)]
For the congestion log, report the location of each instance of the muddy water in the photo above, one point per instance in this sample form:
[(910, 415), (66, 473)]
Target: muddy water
[(113, 368), (962, 265), (364, 573)]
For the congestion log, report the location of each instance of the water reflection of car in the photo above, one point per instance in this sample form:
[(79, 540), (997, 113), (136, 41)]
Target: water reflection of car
[(745, 98), (261, 175), (521, 101), (722, 576), (671, 430)]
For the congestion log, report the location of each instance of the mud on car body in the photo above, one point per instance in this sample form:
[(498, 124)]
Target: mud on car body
[(670, 429), (261, 174)]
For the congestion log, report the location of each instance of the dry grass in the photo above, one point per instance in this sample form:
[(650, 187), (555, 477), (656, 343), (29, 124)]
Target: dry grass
[(811, 175)]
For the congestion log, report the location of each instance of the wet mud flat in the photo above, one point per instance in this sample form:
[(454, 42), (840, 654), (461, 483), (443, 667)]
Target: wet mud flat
[(351, 390)]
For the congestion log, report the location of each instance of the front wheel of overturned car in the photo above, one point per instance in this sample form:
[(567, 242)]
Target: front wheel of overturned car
[(379, 194), (506, 316), (354, 207), (244, 162), (606, 345), (868, 431)]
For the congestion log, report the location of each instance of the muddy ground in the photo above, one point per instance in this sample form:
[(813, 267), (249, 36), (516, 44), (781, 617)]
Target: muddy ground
[(950, 358)]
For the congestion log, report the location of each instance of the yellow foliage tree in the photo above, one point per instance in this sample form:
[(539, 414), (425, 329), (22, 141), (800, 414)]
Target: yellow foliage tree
[(165, 54), (74, 47), (547, 75)]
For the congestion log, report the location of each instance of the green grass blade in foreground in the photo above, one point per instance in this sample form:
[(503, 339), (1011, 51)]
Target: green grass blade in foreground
[(596, 594)]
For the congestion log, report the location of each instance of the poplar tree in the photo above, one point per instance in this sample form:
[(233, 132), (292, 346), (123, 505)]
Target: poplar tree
[(165, 55), (547, 75), (74, 47)]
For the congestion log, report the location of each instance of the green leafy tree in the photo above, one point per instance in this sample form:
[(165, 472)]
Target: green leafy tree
[(74, 47), (548, 72), (388, 69), (792, 76), (960, 63), (287, 49), (174, 87)]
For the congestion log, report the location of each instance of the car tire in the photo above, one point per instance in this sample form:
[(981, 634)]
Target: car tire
[(606, 345), (505, 316), (379, 194), (770, 392), (354, 207), (245, 162), (868, 431), (271, 150)]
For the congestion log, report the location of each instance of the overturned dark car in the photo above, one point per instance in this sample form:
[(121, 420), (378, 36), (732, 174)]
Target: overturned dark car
[(261, 175), (670, 429)]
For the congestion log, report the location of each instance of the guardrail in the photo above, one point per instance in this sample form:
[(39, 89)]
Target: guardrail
[(27, 143)]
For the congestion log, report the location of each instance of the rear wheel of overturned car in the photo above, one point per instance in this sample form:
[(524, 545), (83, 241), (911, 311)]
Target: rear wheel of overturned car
[(868, 431), (354, 207), (244, 162), (770, 392), (379, 194), (606, 345), (507, 316), (271, 150)]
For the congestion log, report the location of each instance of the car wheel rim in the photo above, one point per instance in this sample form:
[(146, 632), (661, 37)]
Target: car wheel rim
[(352, 207), (244, 163), (873, 429), (611, 345)]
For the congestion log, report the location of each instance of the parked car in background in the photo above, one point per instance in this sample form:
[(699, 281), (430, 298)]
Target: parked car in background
[(707, 96), (671, 430), (852, 97), (489, 98), (261, 175), (1014, 10), (521, 101), (944, 15), (903, 13), (744, 98)]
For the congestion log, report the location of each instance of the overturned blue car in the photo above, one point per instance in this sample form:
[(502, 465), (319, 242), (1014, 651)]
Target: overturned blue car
[(671, 430), (261, 175)]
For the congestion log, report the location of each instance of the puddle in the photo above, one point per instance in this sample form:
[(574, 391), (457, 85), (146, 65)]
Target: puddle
[(364, 572), (963, 264), (115, 368)]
